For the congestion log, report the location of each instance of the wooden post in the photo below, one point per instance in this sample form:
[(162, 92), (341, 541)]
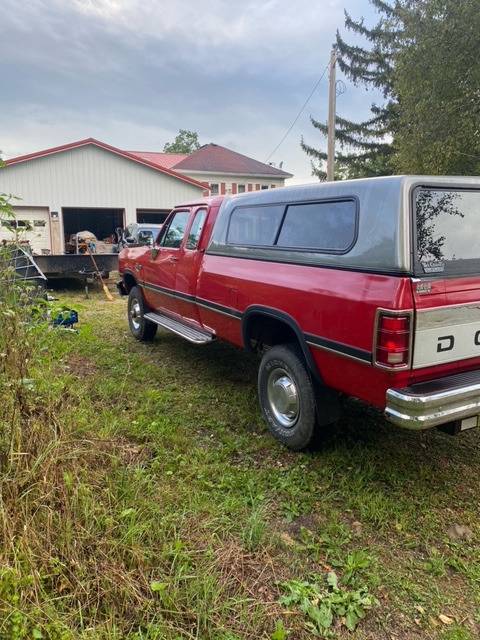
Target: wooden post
[(332, 99)]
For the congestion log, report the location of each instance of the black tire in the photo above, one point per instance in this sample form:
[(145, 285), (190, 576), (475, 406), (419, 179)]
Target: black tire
[(281, 366), (141, 329)]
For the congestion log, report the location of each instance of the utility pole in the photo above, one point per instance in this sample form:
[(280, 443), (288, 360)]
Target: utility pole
[(332, 99)]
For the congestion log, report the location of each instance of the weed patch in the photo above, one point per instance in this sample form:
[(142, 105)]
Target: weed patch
[(144, 499), (324, 602)]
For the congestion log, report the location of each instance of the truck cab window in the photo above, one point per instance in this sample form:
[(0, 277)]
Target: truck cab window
[(196, 229), (176, 230)]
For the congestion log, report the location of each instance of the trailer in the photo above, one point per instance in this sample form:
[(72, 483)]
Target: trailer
[(79, 266), (30, 230)]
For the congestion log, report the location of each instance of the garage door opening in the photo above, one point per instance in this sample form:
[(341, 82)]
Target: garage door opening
[(101, 222), (152, 216)]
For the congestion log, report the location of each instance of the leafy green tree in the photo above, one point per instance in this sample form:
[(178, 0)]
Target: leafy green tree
[(365, 148), (185, 142), (437, 81)]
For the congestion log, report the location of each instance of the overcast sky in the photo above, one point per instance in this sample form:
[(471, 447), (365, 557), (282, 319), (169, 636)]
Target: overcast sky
[(133, 72)]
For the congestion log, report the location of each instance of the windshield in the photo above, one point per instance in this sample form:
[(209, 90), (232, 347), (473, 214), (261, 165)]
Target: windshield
[(448, 231)]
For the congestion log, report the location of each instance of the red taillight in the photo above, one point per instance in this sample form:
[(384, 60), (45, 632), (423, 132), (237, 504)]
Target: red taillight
[(393, 340)]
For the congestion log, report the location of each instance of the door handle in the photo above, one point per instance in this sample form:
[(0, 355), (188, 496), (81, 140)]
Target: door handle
[(173, 259), (138, 267)]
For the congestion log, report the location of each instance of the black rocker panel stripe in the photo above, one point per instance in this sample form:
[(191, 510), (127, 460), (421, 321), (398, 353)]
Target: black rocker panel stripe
[(339, 347), (169, 292), (200, 301), (316, 341)]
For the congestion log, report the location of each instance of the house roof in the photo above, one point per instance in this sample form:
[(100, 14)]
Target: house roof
[(167, 160), (102, 145), (217, 159)]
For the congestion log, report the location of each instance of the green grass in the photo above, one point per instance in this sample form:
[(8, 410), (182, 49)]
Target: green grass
[(175, 514)]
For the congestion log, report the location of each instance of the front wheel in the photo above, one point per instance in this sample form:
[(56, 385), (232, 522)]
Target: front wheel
[(287, 396), (141, 329)]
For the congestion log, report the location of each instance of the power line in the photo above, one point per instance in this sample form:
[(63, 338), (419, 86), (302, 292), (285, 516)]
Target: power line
[(469, 155), (300, 112)]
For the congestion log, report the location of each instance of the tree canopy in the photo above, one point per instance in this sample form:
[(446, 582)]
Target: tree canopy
[(437, 81), (364, 147), (185, 142), (422, 56)]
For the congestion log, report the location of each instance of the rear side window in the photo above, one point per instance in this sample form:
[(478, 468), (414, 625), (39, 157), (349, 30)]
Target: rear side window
[(196, 229), (255, 226), (321, 226)]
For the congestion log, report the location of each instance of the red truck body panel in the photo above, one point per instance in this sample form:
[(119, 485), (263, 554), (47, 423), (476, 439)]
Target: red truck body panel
[(334, 309), (310, 296)]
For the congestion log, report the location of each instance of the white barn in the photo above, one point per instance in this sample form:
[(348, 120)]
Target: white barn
[(89, 185)]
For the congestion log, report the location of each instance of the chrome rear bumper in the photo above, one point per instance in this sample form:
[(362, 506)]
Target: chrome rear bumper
[(429, 404)]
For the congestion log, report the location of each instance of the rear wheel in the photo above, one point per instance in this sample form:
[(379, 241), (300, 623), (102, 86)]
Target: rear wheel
[(287, 396), (140, 328)]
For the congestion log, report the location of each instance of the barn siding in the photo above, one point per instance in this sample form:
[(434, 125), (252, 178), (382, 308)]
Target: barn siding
[(93, 177)]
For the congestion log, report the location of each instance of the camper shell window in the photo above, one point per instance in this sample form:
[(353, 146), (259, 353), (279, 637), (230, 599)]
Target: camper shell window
[(447, 224), (328, 226)]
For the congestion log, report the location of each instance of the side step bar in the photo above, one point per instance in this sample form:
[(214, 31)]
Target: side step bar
[(185, 331)]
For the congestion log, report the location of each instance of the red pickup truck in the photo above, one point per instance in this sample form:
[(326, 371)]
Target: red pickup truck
[(369, 288)]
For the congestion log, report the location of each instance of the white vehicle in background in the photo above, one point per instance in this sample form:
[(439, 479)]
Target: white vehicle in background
[(139, 234)]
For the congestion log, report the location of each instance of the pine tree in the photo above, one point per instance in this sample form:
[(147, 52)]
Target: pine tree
[(365, 147)]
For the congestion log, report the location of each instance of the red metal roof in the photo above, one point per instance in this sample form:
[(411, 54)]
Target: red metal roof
[(167, 160), (216, 159), (102, 145)]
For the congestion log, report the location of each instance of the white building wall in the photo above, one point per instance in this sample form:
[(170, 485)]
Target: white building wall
[(93, 177)]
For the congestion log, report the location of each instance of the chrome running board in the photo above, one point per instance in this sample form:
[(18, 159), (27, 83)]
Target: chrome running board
[(196, 336)]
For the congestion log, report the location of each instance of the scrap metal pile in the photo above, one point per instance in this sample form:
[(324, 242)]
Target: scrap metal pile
[(18, 264)]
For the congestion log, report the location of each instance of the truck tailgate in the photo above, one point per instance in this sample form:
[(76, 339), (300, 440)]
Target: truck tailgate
[(447, 321)]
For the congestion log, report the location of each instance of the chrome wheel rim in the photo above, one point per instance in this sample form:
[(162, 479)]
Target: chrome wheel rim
[(283, 398), (135, 314)]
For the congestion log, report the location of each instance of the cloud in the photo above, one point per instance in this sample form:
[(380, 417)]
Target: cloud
[(133, 72)]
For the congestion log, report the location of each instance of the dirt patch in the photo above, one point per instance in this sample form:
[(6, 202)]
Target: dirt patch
[(254, 574), (129, 452), (263, 457), (80, 366), (311, 522)]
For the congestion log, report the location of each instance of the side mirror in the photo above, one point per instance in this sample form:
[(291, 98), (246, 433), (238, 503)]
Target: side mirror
[(145, 239), (154, 252)]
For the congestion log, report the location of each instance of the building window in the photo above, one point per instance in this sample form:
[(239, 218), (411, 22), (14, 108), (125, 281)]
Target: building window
[(214, 189), (272, 186), (264, 186), (241, 188)]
